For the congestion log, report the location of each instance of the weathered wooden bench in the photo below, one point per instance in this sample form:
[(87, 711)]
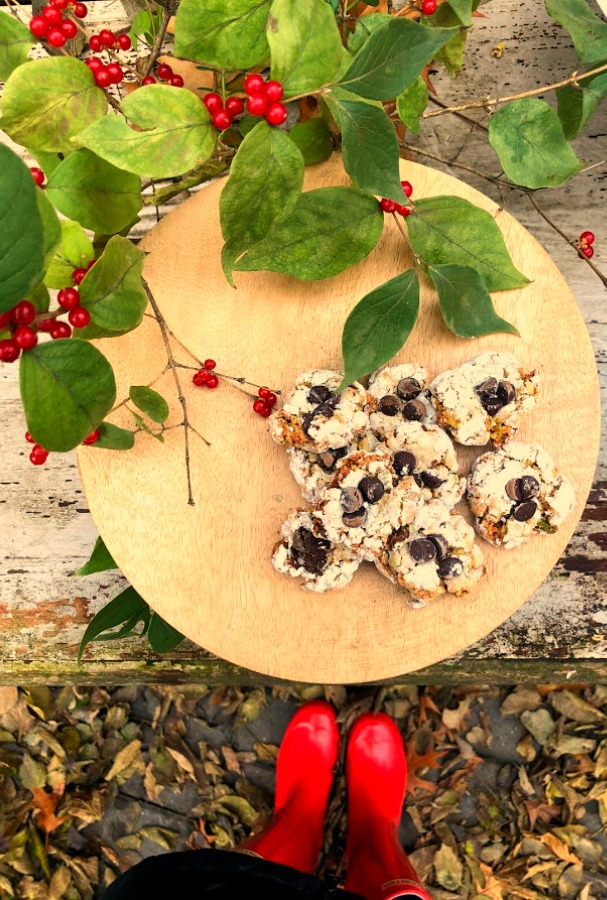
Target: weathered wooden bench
[(560, 634)]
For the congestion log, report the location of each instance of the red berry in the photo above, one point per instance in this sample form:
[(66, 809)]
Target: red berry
[(80, 10), (276, 114), (257, 104), (587, 237), (91, 264), (588, 252), (102, 77), (25, 337), (124, 42), (5, 318), (115, 73), (164, 72), (79, 317), (213, 102), (107, 38), (78, 275), (176, 81), (428, 7), (200, 378), (271, 398), (210, 364), (94, 63), (60, 330), (263, 392), (46, 325), (68, 298), (262, 408), (60, 4), (388, 206), (52, 15), (212, 381), (39, 455), (234, 106), (95, 43), (407, 187), (69, 29), (149, 79), (221, 119), (92, 438), (274, 91), (56, 38), (29, 438), (23, 313), (39, 27), (37, 175), (403, 211), (254, 84), (9, 351)]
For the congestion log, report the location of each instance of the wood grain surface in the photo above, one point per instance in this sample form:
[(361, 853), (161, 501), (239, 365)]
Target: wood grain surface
[(206, 569), (46, 530)]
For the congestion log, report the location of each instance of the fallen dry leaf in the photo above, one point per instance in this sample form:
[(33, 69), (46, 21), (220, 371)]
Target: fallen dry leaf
[(45, 805)]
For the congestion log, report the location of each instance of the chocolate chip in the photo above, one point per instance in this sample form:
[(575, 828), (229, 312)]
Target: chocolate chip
[(318, 394), (355, 519), (450, 567), (390, 405), (422, 550), (418, 479), (306, 421), (399, 536), (513, 489), (408, 388), (371, 488), (351, 499), (492, 407), (328, 459), (305, 542), (325, 409), (403, 462), (529, 487), (524, 511), (333, 401), (432, 481), (487, 387), (414, 411), (315, 562), (441, 543), (505, 392)]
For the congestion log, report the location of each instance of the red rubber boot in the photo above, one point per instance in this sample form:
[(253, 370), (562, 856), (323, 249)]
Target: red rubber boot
[(376, 776), (304, 775)]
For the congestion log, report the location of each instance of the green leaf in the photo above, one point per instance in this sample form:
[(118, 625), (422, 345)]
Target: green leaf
[(576, 105), (411, 104), (75, 251), (392, 58), (40, 297), (227, 35), (305, 45), (365, 27), (329, 230), (588, 32), (452, 230), (111, 437), (313, 137), (51, 227), (174, 133), (100, 560), (21, 231), (15, 43), (112, 290), (127, 609), (67, 387), (528, 138), (463, 10), (264, 184), (145, 24), (452, 54), (47, 161), (150, 402), (379, 325), (95, 193), (48, 101), (465, 303), (162, 636), (369, 145), (143, 426)]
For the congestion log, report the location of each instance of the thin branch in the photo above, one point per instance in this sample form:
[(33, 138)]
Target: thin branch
[(495, 179), (167, 12), (494, 101), (460, 115)]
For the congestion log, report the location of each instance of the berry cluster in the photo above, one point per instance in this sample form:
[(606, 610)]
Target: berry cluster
[(585, 243), (391, 206), (263, 406), (428, 7), (107, 40), (205, 377), (264, 402), (52, 27), (112, 73), (264, 99), (164, 73), (223, 116), (39, 454)]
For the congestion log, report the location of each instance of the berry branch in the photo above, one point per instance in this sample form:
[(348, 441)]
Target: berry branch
[(167, 12)]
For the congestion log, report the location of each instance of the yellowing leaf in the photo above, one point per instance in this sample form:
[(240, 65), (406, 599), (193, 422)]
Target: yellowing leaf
[(560, 850), (124, 759)]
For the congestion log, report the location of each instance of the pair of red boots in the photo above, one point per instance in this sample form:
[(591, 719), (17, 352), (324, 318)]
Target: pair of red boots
[(376, 774)]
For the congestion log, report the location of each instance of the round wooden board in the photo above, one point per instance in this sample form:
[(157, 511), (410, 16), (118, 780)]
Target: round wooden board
[(206, 568)]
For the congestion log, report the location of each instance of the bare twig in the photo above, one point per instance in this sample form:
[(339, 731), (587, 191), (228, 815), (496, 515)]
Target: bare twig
[(167, 12), (460, 115)]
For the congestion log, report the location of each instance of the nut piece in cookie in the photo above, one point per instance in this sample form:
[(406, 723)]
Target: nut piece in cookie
[(484, 399), (426, 452), (304, 552), (398, 394), (517, 492), (366, 502), (436, 554), (316, 417), (314, 470)]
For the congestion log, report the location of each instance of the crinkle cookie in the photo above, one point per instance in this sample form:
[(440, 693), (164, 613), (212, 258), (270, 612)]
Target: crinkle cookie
[(435, 554), (313, 471), (316, 417), (426, 452), (366, 502), (304, 552), (398, 393), (483, 399), (516, 492)]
